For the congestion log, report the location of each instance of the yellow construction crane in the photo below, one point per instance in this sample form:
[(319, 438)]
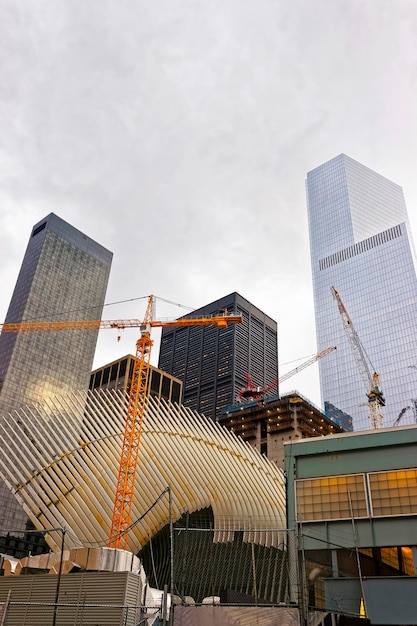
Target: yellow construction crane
[(121, 518), (371, 380)]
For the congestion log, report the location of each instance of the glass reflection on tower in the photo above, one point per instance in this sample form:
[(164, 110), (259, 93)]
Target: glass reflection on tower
[(361, 243)]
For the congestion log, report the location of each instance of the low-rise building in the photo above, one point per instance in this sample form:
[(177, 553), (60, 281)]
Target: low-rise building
[(118, 375), (352, 502)]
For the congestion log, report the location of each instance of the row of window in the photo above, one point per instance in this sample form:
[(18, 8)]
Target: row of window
[(374, 494), (362, 246)]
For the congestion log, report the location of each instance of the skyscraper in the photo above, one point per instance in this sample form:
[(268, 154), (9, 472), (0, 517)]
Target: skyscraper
[(213, 363), (63, 276), (361, 243)]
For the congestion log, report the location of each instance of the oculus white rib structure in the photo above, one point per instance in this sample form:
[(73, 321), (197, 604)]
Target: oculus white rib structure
[(63, 469)]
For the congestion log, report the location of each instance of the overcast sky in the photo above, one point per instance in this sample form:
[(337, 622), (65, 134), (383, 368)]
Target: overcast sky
[(178, 134)]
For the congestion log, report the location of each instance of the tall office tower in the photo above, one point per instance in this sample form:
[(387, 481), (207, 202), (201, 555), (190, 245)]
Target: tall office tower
[(361, 243), (63, 276), (213, 363)]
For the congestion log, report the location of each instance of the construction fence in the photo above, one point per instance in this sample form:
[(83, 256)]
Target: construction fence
[(237, 566), (207, 569)]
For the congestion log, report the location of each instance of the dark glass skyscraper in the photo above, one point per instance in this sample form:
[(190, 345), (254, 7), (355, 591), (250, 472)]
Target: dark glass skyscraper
[(361, 243), (213, 363), (64, 276)]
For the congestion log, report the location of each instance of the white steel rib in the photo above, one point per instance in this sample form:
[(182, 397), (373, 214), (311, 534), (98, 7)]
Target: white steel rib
[(60, 459)]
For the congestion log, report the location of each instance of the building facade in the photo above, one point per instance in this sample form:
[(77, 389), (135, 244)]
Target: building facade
[(361, 243), (213, 363), (352, 502), (64, 276), (118, 375)]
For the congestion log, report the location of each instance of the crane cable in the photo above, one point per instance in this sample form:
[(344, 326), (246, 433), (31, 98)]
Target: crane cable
[(89, 308)]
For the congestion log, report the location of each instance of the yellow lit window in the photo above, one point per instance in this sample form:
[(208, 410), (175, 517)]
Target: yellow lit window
[(394, 493), (335, 497)]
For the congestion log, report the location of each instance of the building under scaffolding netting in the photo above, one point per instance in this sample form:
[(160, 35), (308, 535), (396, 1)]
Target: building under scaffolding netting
[(228, 501)]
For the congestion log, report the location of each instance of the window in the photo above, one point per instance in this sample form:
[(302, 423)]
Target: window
[(338, 497), (39, 229), (393, 493), (334, 497)]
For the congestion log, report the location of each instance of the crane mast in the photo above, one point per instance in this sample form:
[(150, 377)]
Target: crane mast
[(125, 487), (371, 380)]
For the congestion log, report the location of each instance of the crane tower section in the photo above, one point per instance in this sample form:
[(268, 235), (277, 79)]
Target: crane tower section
[(252, 392), (371, 380)]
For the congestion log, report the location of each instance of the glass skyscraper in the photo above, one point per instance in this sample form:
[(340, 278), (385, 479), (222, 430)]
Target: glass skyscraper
[(64, 276), (361, 243), (212, 362)]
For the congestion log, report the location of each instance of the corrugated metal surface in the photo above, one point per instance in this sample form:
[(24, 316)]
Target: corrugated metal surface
[(87, 598), (234, 616), (64, 470)]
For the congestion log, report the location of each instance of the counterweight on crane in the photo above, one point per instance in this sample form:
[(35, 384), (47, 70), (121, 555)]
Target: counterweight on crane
[(118, 537), (252, 392), (371, 381)]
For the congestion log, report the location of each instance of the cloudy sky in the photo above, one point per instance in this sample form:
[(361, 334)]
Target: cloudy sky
[(178, 134)]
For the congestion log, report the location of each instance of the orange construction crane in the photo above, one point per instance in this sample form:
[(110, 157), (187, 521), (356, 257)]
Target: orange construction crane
[(123, 501)]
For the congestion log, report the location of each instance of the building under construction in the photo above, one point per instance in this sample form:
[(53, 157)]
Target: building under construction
[(269, 423), (208, 513)]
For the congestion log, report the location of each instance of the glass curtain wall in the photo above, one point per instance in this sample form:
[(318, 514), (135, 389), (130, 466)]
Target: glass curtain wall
[(361, 243)]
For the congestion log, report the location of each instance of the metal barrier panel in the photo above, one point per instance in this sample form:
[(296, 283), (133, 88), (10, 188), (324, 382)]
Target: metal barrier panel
[(245, 616), (85, 599)]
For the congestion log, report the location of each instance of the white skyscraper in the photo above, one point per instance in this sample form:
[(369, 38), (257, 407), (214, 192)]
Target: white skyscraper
[(361, 243)]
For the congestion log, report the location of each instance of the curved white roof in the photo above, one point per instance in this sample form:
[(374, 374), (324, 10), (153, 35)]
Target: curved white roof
[(61, 460)]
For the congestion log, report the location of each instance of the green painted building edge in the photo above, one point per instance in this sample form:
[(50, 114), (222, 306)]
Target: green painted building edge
[(352, 453)]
